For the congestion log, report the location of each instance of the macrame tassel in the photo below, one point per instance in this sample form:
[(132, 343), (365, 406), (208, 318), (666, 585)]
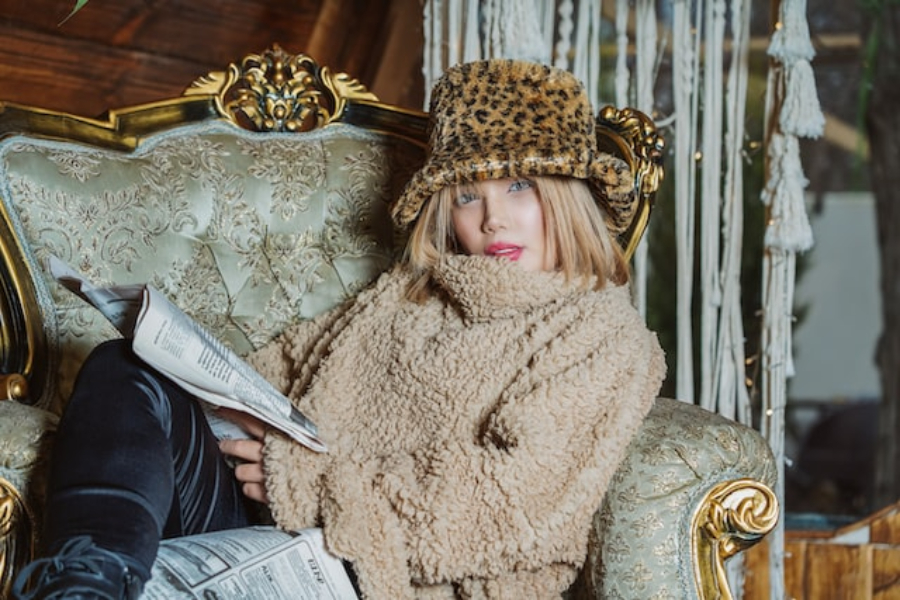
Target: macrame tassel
[(791, 41), (778, 282), (579, 62), (731, 390), (788, 227), (801, 113)]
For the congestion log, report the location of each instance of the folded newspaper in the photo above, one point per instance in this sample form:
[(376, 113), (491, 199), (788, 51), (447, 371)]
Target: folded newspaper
[(173, 343), (249, 562)]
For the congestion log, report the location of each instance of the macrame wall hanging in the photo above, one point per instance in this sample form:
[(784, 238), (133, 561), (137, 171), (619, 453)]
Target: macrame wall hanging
[(708, 44), (792, 111)]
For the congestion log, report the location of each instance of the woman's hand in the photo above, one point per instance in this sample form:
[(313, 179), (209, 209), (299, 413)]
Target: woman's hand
[(249, 454)]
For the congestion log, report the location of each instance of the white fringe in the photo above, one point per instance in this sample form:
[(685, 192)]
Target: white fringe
[(776, 350), (519, 29), (593, 79), (645, 63), (472, 41), (801, 113), (788, 227), (685, 42), (711, 197), (791, 40), (428, 51), (788, 231), (579, 61), (564, 31), (623, 75), (730, 375)]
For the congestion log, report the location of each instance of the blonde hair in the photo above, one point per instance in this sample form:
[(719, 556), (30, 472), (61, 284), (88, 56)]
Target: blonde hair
[(574, 229)]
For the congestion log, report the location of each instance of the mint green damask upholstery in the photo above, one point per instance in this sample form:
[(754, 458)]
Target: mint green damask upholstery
[(681, 454), (245, 231)]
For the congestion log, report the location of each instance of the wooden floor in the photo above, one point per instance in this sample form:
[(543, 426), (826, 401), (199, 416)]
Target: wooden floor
[(857, 562)]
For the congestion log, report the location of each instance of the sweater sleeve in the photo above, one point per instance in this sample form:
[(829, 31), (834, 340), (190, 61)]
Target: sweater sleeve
[(281, 360), (289, 362), (526, 489)]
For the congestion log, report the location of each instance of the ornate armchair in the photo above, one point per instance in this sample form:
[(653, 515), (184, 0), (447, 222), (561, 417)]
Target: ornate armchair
[(258, 197)]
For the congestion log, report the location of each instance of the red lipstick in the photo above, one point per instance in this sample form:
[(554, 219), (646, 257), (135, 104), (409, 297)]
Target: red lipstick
[(504, 250)]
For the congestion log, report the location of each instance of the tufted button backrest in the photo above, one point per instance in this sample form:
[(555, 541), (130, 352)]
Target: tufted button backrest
[(244, 231)]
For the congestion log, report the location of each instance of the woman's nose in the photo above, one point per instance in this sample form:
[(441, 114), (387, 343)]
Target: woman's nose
[(495, 217)]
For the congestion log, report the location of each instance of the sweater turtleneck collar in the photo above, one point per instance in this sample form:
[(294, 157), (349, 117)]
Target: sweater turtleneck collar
[(489, 288)]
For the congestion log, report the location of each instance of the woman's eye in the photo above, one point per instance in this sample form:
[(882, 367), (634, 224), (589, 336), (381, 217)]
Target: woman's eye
[(464, 199), (520, 184)]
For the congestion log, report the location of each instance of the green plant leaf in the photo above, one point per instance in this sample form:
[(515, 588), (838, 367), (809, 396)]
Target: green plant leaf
[(79, 4)]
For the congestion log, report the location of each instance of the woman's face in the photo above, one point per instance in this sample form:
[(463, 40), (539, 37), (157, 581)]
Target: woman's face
[(502, 218)]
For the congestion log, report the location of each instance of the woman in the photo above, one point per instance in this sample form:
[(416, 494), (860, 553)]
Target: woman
[(475, 401)]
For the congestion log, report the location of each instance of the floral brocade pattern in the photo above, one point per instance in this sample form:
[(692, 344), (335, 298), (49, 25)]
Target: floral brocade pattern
[(245, 232), (678, 455)]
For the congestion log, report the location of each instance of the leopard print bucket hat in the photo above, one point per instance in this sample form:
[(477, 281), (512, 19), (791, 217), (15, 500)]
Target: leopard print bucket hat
[(506, 118)]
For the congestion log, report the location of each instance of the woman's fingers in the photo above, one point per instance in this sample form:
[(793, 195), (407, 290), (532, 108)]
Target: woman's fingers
[(253, 481), (245, 450), (249, 472), (255, 491)]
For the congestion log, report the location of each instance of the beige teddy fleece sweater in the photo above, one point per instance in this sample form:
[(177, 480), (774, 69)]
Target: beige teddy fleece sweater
[(471, 437)]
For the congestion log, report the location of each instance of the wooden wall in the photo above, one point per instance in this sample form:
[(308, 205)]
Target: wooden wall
[(116, 53)]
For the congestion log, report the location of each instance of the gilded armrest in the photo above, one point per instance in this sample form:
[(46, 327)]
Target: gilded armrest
[(13, 387), (25, 436), (693, 490), (17, 535), (732, 516)]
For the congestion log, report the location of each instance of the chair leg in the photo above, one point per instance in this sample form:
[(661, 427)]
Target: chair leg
[(17, 535)]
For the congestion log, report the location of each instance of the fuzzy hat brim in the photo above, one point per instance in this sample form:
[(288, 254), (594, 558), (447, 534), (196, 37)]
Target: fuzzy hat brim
[(504, 118)]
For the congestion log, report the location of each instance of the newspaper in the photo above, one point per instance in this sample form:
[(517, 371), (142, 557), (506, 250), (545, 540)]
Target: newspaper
[(173, 343), (248, 563)]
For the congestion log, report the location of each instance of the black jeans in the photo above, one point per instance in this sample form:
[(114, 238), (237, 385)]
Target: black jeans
[(135, 461)]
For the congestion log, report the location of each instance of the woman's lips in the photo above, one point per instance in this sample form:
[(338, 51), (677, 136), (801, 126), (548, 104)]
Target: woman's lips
[(507, 251)]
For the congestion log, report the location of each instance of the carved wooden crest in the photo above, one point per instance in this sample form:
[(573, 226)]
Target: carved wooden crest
[(278, 91)]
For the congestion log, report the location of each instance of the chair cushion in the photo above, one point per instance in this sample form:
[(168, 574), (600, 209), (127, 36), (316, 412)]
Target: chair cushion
[(244, 231)]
